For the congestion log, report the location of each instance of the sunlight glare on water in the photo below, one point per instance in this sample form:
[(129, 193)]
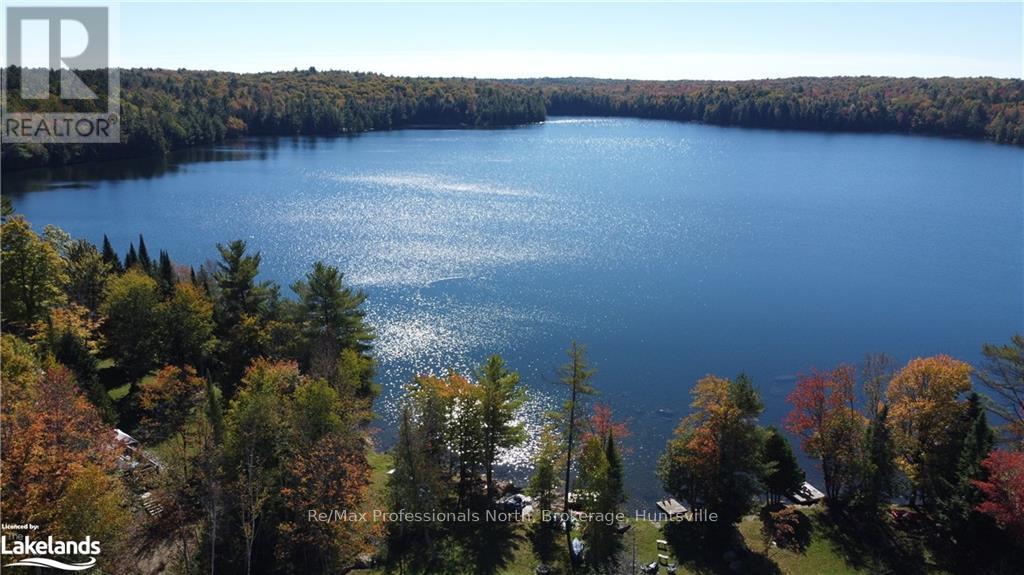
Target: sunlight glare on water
[(670, 250)]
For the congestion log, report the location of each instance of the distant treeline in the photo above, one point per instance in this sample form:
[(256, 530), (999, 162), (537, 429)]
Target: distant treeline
[(166, 109), (979, 108)]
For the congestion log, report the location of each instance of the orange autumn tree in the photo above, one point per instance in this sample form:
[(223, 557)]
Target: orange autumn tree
[(168, 399), (830, 428), (58, 458), (925, 407), (713, 458), (325, 468), (451, 409)]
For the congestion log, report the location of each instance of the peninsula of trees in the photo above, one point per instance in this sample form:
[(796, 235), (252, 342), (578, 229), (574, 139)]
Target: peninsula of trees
[(170, 109)]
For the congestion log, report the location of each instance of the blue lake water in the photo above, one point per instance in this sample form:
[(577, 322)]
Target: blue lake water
[(671, 250)]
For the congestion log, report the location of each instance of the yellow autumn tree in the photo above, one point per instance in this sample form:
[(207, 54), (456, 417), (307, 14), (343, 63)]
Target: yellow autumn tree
[(925, 404)]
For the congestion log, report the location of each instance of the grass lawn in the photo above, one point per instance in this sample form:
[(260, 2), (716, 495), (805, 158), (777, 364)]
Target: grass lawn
[(819, 557), (118, 393), (380, 464)]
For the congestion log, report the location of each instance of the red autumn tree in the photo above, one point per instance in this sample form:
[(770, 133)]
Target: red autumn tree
[(830, 428), (1004, 490), (602, 423)]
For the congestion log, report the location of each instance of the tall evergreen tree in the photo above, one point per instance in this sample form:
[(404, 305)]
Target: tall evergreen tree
[(956, 494), (1003, 373), (165, 274), (144, 260), (600, 489), (783, 475), (576, 376), (332, 317), (414, 486), (881, 475), (110, 256), (746, 397), (616, 472), (544, 481), (131, 259), (241, 310), (501, 397), (235, 276)]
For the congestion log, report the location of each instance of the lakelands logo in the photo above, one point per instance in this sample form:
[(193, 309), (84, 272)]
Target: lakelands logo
[(49, 546), (60, 83)]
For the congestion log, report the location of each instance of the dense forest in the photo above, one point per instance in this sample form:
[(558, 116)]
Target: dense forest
[(982, 108), (164, 109), (167, 109)]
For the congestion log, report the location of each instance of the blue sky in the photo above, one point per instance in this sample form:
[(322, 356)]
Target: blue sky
[(636, 40)]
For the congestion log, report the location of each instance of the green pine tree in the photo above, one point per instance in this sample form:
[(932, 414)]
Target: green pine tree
[(783, 475), (165, 274), (110, 256), (144, 260), (501, 398), (131, 259)]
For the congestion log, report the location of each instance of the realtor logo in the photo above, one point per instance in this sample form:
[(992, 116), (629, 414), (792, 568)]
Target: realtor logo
[(59, 58), (30, 551)]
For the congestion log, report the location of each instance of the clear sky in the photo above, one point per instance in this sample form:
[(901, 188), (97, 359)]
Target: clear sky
[(613, 40)]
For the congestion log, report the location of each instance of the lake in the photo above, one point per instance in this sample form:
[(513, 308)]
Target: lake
[(671, 250)]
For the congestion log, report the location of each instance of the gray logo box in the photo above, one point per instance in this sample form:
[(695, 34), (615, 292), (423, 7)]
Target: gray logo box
[(33, 30)]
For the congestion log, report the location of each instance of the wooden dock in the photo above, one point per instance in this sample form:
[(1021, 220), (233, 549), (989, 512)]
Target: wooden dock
[(807, 494), (671, 507)]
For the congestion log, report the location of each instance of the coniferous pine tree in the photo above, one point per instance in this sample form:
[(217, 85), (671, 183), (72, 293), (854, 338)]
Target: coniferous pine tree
[(144, 261), (166, 274), (110, 256), (783, 475), (576, 376), (881, 473), (501, 397), (131, 259)]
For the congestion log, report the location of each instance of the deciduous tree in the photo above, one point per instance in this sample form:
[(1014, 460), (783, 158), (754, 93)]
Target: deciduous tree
[(31, 275), (186, 327), (1004, 490), (168, 400), (86, 275), (713, 459), (925, 408), (830, 428), (131, 322)]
